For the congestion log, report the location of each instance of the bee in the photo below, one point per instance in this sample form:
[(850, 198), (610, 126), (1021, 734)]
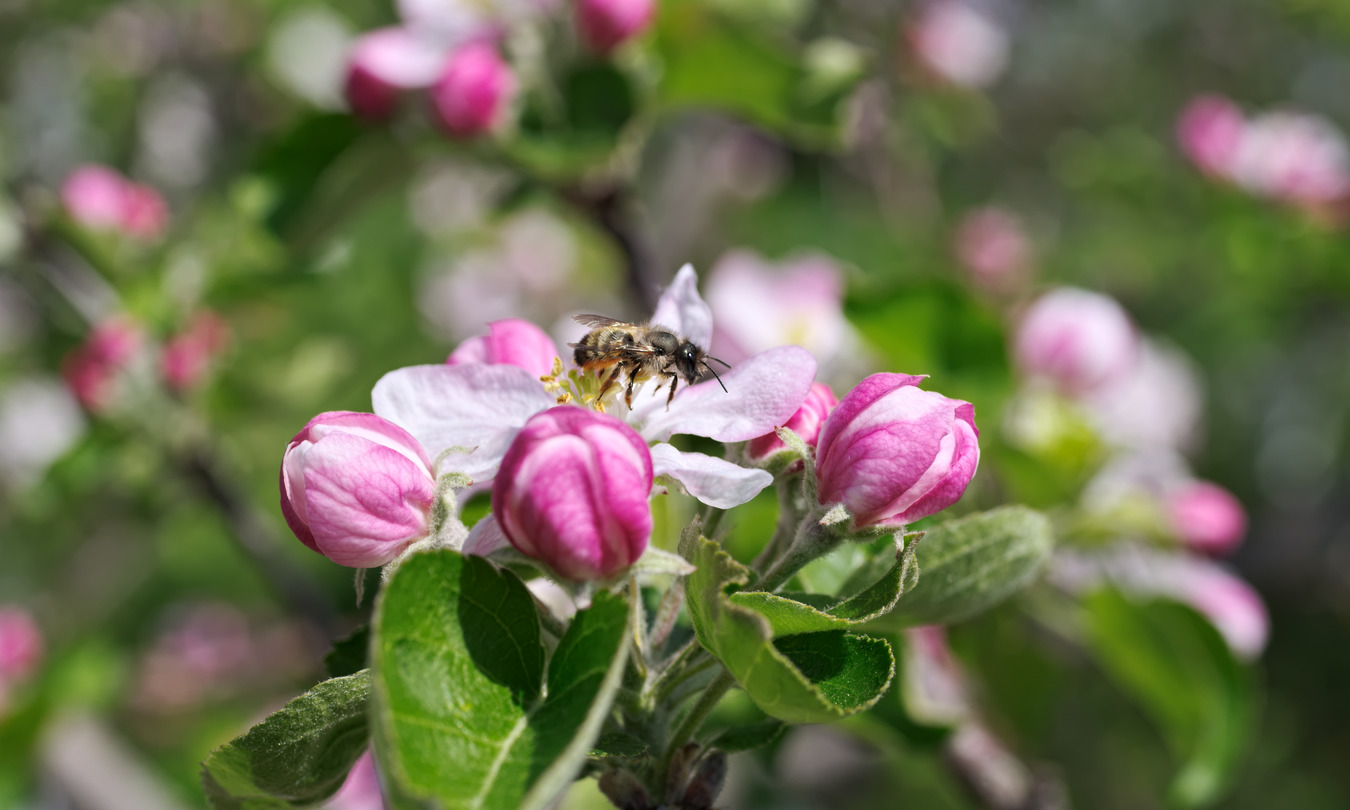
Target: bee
[(614, 348)]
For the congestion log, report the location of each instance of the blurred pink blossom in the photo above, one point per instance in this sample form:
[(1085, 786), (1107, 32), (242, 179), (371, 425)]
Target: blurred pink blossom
[(1210, 132), (361, 790), (93, 370), (992, 245), (21, 646), (1294, 157), (606, 24), (187, 356), (758, 304), (1076, 340), (958, 42), (1207, 517), (473, 93), (1156, 402), (384, 63), (99, 197)]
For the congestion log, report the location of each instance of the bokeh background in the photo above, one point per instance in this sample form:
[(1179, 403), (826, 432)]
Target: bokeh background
[(937, 179)]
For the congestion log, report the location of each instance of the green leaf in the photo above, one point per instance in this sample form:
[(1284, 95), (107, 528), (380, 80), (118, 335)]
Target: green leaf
[(808, 678), (748, 738), (975, 562), (348, 655), (298, 755), (295, 162), (712, 60), (1177, 666), (463, 714), (790, 616)]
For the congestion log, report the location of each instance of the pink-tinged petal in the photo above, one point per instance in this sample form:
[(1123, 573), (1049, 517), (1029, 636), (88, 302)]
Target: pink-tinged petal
[(936, 692), (863, 395), (21, 645), (472, 406), (95, 196), (1209, 131), (485, 537), (366, 503), (1234, 608), (683, 310), (762, 393), (1077, 340), (1206, 517), (605, 24), (512, 342), (713, 481), (361, 790), (806, 423), (402, 58)]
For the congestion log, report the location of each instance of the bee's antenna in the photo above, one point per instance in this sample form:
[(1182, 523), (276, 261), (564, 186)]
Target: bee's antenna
[(723, 362), (714, 373)]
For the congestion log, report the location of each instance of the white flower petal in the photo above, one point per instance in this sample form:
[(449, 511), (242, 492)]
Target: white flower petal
[(485, 537), (713, 481), (762, 393), (475, 407), (682, 309)]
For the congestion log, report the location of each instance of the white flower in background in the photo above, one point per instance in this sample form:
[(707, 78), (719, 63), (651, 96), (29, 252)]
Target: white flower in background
[(39, 422), (1155, 403)]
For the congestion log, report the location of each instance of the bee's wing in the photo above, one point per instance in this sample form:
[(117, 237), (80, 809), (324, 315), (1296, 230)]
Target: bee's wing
[(596, 321)]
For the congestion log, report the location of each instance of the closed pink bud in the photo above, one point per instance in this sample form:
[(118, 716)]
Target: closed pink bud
[(473, 92), (606, 24), (892, 453), (21, 646), (573, 491), (1077, 340), (1210, 133), (1206, 517), (144, 214), (806, 422), (93, 370), (510, 341), (356, 488), (383, 64)]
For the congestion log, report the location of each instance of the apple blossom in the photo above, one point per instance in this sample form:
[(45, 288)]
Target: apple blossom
[(21, 646), (467, 414), (959, 43), (510, 341), (473, 91), (187, 356), (574, 492), (99, 197), (1206, 517), (1295, 157), (605, 24), (806, 422), (94, 370), (1076, 340), (1210, 133), (384, 63), (356, 488), (891, 452), (991, 244), (1155, 402)]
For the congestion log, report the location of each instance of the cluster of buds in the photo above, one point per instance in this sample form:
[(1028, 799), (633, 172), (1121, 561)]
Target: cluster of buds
[(100, 198), (572, 474), (456, 52), (1296, 158), (118, 354)]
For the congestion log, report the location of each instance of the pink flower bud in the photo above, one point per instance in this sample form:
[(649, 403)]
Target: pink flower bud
[(892, 453), (187, 356), (806, 422), (383, 64), (1206, 517), (992, 246), (98, 197), (605, 24), (512, 342), (1077, 340), (93, 370), (21, 646), (361, 791), (356, 488), (1210, 133), (573, 491), (474, 90)]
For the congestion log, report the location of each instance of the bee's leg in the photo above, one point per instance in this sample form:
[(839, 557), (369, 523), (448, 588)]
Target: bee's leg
[(608, 381), (674, 381), (632, 380)]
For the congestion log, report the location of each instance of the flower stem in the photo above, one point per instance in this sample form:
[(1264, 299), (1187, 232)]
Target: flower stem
[(812, 541), (697, 715)]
